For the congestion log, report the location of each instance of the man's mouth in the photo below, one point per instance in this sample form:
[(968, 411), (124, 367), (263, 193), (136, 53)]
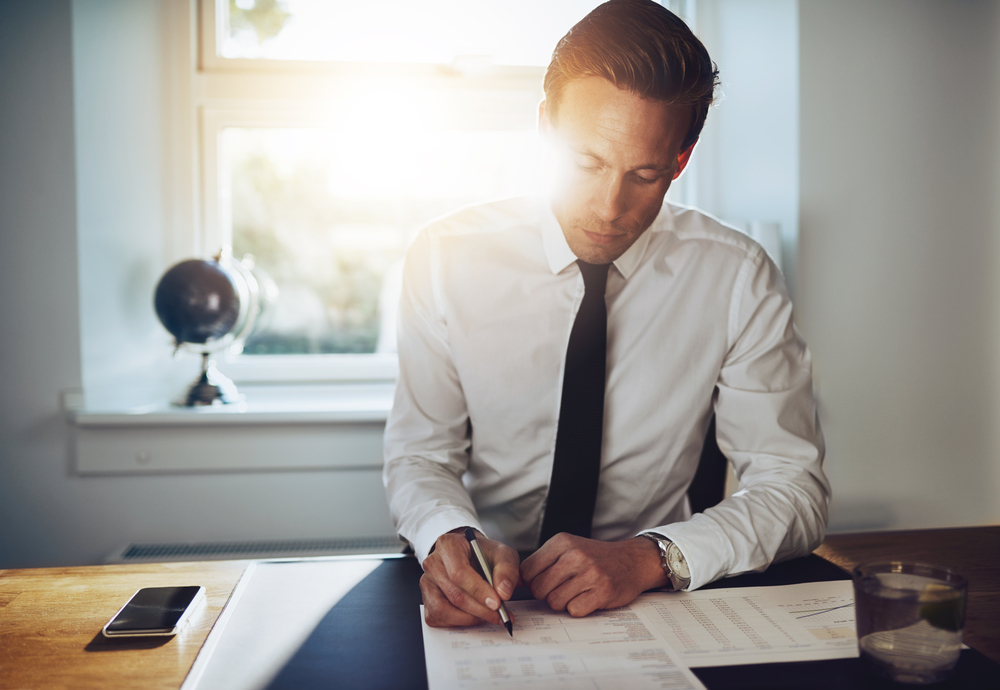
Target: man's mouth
[(599, 238)]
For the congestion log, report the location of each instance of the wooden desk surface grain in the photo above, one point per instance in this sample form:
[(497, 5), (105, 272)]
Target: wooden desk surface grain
[(972, 551), (51, 620)]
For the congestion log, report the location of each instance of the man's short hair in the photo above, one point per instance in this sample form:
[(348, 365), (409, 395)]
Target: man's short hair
[(640, 47)]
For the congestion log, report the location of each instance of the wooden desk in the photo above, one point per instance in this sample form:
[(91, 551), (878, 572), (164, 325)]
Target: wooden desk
[(972, 551), (51, 618)]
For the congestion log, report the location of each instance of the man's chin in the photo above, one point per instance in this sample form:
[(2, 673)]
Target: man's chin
[(596, 254), (601, 246)]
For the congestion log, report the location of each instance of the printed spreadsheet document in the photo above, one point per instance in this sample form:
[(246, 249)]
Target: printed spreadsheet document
[(652, 643)]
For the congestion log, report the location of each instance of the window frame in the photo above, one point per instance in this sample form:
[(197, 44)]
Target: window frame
[(240, 92)]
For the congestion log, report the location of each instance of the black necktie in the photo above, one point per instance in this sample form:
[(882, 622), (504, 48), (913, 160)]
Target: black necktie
[(576, 467)]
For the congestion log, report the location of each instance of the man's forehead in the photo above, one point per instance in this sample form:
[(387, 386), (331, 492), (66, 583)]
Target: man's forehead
[(593, 114)]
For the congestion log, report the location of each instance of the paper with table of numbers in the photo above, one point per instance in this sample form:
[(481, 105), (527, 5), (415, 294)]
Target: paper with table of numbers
[(649, 644), (607, 650), (755, 625)]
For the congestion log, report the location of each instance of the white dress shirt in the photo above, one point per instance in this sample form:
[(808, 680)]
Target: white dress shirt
[(698, 319)]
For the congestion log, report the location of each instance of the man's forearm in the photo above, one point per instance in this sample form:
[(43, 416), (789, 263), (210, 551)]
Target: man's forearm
[(426, 502)]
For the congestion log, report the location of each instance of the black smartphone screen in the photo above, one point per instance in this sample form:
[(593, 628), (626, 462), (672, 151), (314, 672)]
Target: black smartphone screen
[(153, 608)]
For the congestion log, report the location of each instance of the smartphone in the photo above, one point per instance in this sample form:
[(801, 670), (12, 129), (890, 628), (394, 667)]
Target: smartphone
[(155, 611)]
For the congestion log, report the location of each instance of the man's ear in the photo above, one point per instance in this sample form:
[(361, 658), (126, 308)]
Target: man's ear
[(544, 125), (682, 159)]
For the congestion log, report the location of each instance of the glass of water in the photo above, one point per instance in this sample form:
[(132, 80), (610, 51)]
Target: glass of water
[(909, 618)]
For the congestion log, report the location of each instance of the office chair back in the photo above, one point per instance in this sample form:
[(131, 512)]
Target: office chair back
[(709, 484)]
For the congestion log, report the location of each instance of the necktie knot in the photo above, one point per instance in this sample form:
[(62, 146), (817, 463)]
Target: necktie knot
[(595, 276)]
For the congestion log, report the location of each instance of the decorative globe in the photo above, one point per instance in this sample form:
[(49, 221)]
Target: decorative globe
[(208, 305), (199, 302)]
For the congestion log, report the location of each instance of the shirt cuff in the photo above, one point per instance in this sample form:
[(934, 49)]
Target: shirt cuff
[(437, 524), (707, 552)]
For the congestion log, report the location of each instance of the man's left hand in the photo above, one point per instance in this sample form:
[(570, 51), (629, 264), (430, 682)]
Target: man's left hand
[(581, 575)]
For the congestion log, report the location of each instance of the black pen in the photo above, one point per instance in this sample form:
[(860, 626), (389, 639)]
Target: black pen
[(470, 534)]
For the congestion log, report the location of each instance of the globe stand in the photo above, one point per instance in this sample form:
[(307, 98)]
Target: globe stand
[(211, 387)]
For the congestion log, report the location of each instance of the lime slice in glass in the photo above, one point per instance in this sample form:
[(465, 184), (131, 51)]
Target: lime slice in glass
[(941, 606)]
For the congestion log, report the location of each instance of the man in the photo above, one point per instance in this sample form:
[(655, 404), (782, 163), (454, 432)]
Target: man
[(490, 423)]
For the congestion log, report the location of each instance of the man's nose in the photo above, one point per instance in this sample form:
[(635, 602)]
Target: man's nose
[(610, 202)]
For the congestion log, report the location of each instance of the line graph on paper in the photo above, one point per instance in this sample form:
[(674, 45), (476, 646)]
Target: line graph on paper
[(811, 613), (826, 618), (808, 613)]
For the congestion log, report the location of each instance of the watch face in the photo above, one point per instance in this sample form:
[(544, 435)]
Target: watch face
[(677, 563)]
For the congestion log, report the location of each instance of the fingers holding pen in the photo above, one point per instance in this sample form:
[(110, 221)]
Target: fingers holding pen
[(439, 612), (464, 590), (506, 566), (455, 594)]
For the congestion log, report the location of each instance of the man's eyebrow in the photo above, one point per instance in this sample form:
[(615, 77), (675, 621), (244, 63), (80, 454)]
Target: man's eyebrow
[(588, 153), (645, 166)]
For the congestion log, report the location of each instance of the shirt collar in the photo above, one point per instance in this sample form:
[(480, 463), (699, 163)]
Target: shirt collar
[(557, 251), (560, 256)]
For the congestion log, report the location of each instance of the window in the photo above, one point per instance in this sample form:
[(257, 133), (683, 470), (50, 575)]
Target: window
[(329, 132)]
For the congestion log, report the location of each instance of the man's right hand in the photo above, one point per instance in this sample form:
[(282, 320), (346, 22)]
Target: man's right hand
[(454, 592)]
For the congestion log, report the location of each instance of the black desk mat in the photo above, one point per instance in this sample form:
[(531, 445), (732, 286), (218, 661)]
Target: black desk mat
[(342, 651), (370, 640)]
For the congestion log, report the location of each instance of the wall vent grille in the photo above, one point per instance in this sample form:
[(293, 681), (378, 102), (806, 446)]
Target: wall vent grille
[(286, 548)]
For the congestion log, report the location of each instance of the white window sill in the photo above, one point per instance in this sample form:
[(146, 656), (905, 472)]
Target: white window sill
[(277, 428), (285, 404), (309, 370)]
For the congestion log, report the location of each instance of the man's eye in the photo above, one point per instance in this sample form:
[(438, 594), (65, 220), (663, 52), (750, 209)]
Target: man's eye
[(645, 180), (586, 168)]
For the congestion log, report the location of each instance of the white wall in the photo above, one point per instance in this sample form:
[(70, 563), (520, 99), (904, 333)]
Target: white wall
[(898, 254), (747, 162), (121, 106), (39, 333), (992, 479)]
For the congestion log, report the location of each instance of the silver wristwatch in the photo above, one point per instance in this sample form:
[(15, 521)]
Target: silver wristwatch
[(672, 560)]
